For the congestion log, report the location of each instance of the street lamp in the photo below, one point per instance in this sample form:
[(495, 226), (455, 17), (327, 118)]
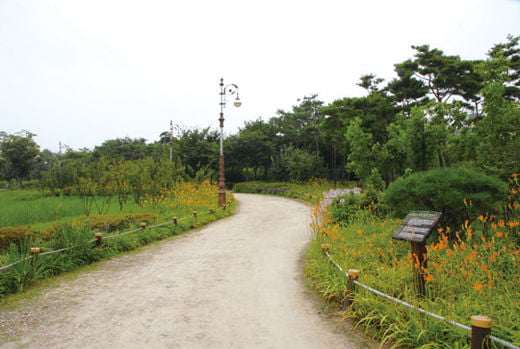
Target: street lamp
[(228, 89)]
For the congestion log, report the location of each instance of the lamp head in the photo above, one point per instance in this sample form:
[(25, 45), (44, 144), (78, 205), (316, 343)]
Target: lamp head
[(237, 102)]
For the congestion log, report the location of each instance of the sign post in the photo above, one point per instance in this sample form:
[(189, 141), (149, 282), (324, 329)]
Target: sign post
[(416, 228)]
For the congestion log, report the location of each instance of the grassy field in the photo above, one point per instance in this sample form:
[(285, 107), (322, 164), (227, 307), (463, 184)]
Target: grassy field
[(29, 219)]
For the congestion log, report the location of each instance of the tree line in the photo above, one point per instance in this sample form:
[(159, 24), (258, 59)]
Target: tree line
[(439, 111)]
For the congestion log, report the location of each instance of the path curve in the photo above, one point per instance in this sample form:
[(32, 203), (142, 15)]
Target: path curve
[(236, 283)]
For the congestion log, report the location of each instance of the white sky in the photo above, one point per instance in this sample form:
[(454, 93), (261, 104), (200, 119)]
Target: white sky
[(81, 72)]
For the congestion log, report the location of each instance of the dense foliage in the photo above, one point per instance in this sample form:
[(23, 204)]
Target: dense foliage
[(439, 110)]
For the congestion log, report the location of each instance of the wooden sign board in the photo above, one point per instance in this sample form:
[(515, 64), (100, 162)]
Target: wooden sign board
[(417, 226)]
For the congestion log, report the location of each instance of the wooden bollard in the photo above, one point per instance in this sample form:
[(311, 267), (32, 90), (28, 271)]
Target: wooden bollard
[(480, 330), (143, 226), (419, 255), (195, 219), (325, 248), (353, 275), (35, 251), (174, 219), (99, 239)]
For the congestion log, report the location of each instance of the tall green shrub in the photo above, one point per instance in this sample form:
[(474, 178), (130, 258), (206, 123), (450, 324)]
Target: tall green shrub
[(460, 194)]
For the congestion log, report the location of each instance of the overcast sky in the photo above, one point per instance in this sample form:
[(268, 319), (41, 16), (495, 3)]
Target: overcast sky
[(81, 72)]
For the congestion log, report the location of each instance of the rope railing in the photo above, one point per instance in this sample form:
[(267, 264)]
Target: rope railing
[(15, 263), (325, 248), (100, 238)]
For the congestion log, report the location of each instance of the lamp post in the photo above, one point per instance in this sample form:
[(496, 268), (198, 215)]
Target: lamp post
[(227, 89)]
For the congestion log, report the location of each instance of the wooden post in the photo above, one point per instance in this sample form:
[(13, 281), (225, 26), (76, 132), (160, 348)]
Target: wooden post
[(480, 330), (325, 248), (195, 219), (35, 252), (99, 239), (419, 265), (174, 220), (353, 275), (143, 226)]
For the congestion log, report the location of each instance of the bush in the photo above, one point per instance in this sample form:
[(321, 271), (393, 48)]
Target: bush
[(345, 207), (460, 194), (15, 235), (107, 223)]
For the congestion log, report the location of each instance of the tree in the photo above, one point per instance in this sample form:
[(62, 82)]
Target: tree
[(293, 164), (199, 149), (252, 148), (420, 141), (333, 130), (361, 158), (498, 151), (375, 111), (510, 52), (406, 90), (122, 149), (301, 126), (370, 82), (444, 76), (18, 152)]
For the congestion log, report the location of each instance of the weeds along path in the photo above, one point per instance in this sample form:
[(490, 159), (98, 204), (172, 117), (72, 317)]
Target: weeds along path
[(236, 283)]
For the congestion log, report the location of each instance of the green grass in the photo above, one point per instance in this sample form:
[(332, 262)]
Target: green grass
[(75, 231), (28, 207)]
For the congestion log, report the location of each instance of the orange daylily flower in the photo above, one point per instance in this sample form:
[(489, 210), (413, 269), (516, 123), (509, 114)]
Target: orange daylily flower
[(478, 287)]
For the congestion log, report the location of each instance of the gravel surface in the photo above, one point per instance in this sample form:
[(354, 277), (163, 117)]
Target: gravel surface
[(236, 283)]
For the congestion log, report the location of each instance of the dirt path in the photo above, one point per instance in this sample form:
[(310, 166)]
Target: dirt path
[(236, 283)]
